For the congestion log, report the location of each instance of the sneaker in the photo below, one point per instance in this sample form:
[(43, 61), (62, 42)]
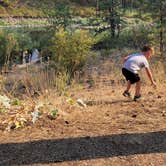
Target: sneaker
[(126, 94), (136, 98)]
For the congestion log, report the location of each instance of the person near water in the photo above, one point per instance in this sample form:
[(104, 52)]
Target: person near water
[(132, 64)]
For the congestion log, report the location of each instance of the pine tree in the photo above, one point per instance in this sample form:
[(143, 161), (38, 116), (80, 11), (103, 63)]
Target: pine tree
[(159, 16), (110, 8)]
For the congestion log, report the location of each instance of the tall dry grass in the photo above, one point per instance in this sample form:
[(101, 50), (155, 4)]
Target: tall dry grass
[(34, 81), (40, 80)]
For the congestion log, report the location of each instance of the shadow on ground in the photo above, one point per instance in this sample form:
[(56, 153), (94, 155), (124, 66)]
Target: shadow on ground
[(74, 149)]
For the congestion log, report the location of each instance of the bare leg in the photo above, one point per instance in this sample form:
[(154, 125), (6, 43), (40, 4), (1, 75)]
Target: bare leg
[(137, 88), (128, 86)]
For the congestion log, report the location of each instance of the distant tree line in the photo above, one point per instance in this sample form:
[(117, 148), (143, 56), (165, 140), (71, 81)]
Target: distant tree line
[(113, 10)]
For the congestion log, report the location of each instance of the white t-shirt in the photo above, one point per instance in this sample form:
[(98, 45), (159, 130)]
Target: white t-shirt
[(135, 62)]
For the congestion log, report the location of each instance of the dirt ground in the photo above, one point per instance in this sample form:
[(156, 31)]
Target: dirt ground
[(111, 131)]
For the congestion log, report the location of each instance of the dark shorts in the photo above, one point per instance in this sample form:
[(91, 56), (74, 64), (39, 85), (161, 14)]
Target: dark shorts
[(130, 76)]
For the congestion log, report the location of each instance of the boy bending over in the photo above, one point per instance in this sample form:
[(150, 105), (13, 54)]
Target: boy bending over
[(131, 65)]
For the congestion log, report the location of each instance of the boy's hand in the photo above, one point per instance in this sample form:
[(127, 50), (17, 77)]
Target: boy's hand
[(154, 84), (151, 77), (125, 59)]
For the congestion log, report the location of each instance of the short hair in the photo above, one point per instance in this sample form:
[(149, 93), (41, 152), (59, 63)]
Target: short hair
[(147, 48)]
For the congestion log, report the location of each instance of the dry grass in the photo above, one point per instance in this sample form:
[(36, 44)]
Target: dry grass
[(34, 81)]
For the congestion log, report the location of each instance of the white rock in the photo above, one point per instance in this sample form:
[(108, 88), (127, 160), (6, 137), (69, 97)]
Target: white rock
[(81, 103), (5, 101)]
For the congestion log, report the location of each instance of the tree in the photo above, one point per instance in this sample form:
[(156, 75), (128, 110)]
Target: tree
[(2, 48), (158, 14), (61, 16), (11, 45), (111, 13), (8, 44), (162, 18)]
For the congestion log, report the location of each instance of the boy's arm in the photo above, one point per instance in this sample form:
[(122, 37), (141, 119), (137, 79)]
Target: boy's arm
[(125, 59), (149, 73)]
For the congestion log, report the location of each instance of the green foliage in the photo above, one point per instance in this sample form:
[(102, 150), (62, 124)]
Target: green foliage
[(16, 102), (14, 41), (54, 113), (31, 8), (83, 11), (2, 48), (61, 82), (25, 41), (141, 34), (111, 11), (71, 50), (62, 13), (8, 43), (134, 36)]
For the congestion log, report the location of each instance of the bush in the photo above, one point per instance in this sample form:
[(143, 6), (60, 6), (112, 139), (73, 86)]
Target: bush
[(71, 50), (8, 43)]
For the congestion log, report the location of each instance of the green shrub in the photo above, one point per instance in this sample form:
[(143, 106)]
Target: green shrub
[(8, 43), (71, 50)]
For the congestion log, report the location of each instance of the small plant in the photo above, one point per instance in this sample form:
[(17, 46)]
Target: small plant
[(61, 82), (16, 102), (53, 114)]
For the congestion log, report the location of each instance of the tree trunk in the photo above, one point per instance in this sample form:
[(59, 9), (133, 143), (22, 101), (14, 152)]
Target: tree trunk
[(124, 3), (112, 19), (161, 29), (97, 8)]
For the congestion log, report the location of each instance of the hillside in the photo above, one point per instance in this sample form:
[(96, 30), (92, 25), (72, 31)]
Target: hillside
[(29, 8), (111, 130)]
